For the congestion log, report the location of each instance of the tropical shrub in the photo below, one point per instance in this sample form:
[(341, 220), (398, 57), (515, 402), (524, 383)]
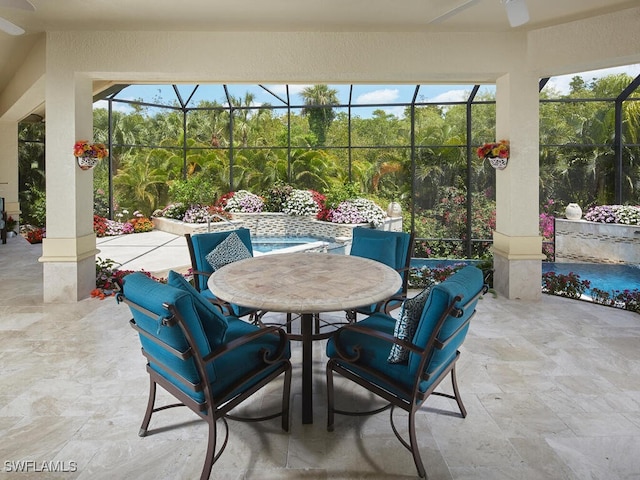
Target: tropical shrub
[(547, 230), (338, 194), (442, 230), (275, 198), (33, 203), (197, 189)]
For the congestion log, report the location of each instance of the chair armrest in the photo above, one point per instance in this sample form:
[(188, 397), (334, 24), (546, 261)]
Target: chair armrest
[(195, 273), (384, 305), (238, 342), (372, 333)]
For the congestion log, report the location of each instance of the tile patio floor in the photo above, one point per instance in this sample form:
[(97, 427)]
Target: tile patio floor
[(552, 389)]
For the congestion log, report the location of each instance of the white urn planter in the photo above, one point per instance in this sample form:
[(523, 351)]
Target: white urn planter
[(394, 210), (573, 212)]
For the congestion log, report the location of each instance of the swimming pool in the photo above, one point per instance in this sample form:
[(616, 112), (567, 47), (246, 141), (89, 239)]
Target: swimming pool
[(271, 245), (602, 276)]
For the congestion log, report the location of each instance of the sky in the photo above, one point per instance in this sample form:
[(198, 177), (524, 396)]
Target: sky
[(362, 94)]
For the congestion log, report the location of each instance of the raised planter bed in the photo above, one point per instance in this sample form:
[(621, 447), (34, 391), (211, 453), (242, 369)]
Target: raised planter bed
[(584, 241), (273, 225)]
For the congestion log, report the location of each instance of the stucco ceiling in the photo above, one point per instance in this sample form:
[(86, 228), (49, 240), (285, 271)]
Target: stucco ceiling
[(278, 15), (293, 15)]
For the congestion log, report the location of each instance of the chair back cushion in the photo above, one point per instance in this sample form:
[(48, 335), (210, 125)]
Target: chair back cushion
[(201, 244), (214, 323), (152, 295), (467, 282), (390, 248)]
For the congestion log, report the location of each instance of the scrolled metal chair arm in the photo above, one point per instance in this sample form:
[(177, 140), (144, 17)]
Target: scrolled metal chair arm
[(238, 342)]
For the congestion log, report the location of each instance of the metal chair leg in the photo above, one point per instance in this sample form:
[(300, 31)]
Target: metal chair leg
[(209, 458), (456, 392), (414, 445), (330, 399), (150, 403)]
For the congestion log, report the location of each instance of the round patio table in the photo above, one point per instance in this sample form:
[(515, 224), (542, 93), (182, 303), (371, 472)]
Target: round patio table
[(305, 283)]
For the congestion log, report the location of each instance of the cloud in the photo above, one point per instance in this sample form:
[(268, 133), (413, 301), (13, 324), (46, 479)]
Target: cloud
[(117, 106), (281, 90), (386, 95), (561, 83), (451, 96)]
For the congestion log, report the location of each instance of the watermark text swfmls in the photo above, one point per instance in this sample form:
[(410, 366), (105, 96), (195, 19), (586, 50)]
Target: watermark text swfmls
[(47, 466)]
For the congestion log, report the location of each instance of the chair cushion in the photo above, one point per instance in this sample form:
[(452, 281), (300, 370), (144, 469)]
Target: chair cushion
[(244, 360), (231, 249), (466, 282), (407, 324), (382, 250), (152, 296), (214, 323), (373, 354)]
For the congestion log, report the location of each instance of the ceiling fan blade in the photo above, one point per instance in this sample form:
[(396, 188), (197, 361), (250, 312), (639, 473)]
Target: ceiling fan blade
[(454, 11), (10, 28), (19, 4), (517, 12)]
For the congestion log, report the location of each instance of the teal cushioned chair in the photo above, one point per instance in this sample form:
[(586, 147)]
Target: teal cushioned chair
[(208, 362), (360, 351), (394, 249), (200, 245)]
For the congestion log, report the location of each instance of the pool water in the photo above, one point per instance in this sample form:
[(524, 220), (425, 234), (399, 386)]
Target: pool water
[(270, 245), (602, 276)]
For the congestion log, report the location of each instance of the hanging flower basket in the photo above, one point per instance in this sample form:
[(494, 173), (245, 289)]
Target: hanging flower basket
[(498, 163), (496, 152), (89, 154), (87, 163)]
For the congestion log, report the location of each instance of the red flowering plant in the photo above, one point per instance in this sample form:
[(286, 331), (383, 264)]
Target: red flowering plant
[(568, 285), (494, 150), (83, 148), (34, 234), (109, 278)]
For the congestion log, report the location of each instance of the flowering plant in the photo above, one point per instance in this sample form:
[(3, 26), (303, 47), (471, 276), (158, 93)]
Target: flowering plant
[(494, 149), (359, 210), (34, 234), (568, 285), (83, 148), (300, 202), (241, 201), (623, 214)]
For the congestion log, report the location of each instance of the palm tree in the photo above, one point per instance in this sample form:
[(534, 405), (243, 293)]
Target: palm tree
[(142, 184), (318, 99)]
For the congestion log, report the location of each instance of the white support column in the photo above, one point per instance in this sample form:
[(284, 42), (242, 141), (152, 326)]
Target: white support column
[(69, 250), (9, 168), (517, 247)]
